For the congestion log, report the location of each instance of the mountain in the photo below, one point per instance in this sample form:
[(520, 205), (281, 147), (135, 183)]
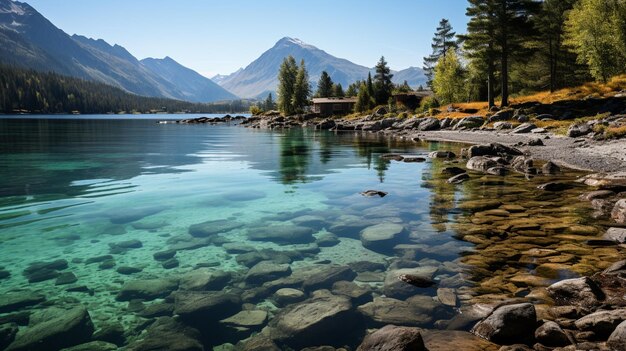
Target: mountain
[(190, 83), (260, 77), (219, 78), (413, 75), (29, 40)]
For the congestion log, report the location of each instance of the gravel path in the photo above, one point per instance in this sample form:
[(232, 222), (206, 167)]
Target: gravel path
[(583, 154)]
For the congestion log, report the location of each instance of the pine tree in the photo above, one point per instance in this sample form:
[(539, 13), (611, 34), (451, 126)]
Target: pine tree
[(324, 86), (353, 89), (302, 89), (369, 85), (383, 85), (443, 40), (269, 103), (286, 85), (363, 99), (338, 90)]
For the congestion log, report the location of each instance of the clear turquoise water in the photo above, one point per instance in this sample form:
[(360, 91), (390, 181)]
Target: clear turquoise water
[(65, 184)]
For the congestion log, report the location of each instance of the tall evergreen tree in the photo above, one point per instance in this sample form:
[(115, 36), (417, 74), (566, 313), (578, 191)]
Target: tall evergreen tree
[(324, 86), (369, 85), (353, 89), (286, 85), (383, 86), (443, 40), (338, 90), (269, 104), (363, 99), (302, 89)]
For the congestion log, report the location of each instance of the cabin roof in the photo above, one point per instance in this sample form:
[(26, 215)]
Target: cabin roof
[(333, 100)]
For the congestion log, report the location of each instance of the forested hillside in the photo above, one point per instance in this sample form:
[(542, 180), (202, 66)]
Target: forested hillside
[(30, 91)]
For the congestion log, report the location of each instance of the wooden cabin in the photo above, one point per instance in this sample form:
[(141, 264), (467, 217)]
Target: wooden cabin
[(411, 100), (333, 106)]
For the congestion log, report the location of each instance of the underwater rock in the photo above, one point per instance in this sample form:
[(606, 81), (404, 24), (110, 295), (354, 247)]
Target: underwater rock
[(42, 271), (397, 288), (444, 340), (98, 259), (386, 310), (210, 228), (7, 334), (508, 324), (459, 178), (59, 329), (266, 271), (169, 334), (204, 279), (150, 224), (164, 255), (453, 171), (248, 195), (382, 237), (286, 296), (93, 346), (479, 205), (171, 263), (4, 274), (146, 289), (123, 246), (554, 186), (581, 292), (324, 277), (12, 302), (111, 333), (132, 214), (358, 294), (447, 296), (66, 278), (371, 193), (441, 154), (394, 157), (200, 306), (249, 259), (126, 270), (250, 319), (480, 163), (413, 159), (157, 310), (550, 168), (282, 234), (327, 240), (393, 338), (314, 321), (416, 280), (258, 342)]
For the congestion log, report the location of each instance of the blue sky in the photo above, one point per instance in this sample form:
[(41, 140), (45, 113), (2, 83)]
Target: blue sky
[(213, 37)]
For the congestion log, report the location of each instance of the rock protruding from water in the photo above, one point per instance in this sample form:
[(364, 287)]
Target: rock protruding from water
[(508, 324), (314, 321), (619, 212), (582, 292), (480, 164), (58, 329), (393, 338)]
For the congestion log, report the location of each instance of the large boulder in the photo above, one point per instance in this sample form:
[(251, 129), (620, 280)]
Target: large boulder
[(578, 130), (469, 123), (446, 340), (382, 237), (12, 302), (615, 234), (581, 292), (385, 310), (169, 334), (601, 323), (480, 164), (619, 212), (146, 289), (524, 128), (406, 282), (393, 338), (325, 276), (57, 329), (617, 339), (509, 324), (493, 149), (551, 334), (204, 279), (430, 124), (282, 234), (314, 321)]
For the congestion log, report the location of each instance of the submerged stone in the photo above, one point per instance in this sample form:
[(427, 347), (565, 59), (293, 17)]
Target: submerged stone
[(12, 302), (282, 234), (382, 237), (132, 214), (169, 334), (147, 289), (210, 228), (393, 338), (508, 324), (385, 310)]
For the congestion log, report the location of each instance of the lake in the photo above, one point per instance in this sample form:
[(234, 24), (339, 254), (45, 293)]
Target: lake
[(136, 220)]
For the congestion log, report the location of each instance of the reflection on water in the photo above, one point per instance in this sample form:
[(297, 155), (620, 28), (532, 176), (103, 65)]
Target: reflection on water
[(126, 200)]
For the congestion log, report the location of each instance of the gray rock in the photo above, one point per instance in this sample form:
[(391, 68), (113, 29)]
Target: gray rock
[(12, 302), (314, 321), (549, 168), (266, 271), (126, 270), (615, 234), (430, 124), (250, 319), (601, 323), (357, 293), (619, 212), (480, 163), (469, 123), (551, 334), (502, 115), (441, 154), (327, 240), (617, 339), (508, 324), (578, 130), (524, 128), (581, 292), (287, 296), (459, 178), (502, 125), (535, 141), (393, 338), (397, 288), (66, 278), (598, 194), (169, 334), (605, 180), (42, 271), (447, 296), (146, 289), (493, 149), (282, 234), (523, 118), (453, 170), (324, 277), (385, 310), (93, 346), (210, 228), (382, 237), (59, 329), (200, 306), (258, 342), (203, 279)]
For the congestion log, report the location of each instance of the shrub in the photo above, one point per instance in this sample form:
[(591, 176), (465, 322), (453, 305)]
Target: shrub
[(428, 103), (255, 110)]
